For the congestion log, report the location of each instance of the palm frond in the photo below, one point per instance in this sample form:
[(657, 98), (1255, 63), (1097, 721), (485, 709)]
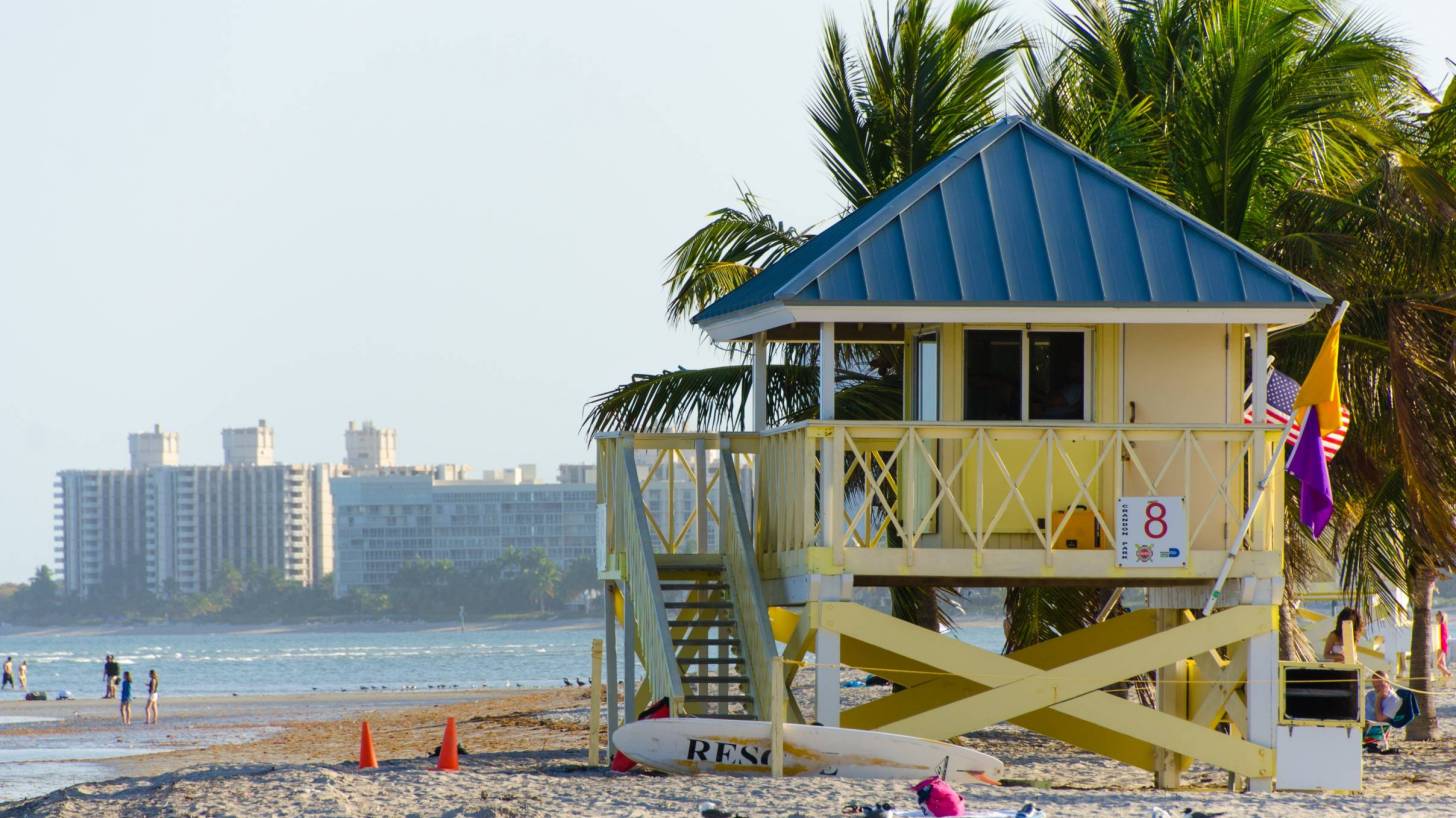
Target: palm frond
[(711, 398), (735, 244)]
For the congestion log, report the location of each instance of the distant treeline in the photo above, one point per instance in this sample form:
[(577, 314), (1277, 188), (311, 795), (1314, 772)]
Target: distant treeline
[(516, 582)]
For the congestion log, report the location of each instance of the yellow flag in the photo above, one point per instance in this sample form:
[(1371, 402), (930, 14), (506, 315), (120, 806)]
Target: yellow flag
[(1321, 387)]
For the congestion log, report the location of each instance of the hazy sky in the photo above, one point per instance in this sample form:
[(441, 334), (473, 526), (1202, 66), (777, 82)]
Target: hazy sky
[(446, 217)]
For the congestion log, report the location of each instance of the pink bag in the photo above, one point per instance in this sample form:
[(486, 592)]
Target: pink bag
[(937, 798)]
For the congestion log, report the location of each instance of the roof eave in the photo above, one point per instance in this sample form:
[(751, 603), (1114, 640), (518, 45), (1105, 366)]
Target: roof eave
[(742, 324)]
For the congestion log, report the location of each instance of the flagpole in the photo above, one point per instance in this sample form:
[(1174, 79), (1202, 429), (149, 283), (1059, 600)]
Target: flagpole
[(1238, 540)]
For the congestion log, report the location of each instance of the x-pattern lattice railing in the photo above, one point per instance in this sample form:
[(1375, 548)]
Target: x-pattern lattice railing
[(672, 465), (979, 482)]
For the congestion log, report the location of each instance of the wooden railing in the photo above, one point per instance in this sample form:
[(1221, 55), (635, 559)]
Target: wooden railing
[(740, 559), (1002, 486), (620, 488)]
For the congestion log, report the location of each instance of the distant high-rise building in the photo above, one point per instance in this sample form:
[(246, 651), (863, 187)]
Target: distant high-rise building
[(384, 521), (154, 448), (208, 518), (168, 527), (368, 446), (164, 526), (248, 446), (101, 526)]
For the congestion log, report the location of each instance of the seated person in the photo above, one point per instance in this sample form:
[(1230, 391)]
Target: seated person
[(1381, 703), (1381, 706), (1335, 651)]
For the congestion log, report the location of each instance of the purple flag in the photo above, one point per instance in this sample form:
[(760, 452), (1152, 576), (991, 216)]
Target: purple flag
[(1307, 463)]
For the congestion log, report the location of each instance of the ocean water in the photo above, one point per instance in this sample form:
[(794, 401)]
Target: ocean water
[(261, 662)]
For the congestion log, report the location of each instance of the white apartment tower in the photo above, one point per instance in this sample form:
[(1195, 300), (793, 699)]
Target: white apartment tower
[(248, 446), (368, 446), (173, 527)]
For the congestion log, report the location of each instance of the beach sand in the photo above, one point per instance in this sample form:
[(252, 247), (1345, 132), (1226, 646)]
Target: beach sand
[(527, 759)]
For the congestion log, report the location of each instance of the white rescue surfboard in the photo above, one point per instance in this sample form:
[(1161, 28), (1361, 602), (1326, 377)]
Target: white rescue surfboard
[(732, 747)]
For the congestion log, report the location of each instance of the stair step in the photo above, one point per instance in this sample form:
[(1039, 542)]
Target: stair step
[(687, 661), (722, 699), (725, 680), (729, 642), (702, 623), (705, 604), (694, 586), (689, 567)]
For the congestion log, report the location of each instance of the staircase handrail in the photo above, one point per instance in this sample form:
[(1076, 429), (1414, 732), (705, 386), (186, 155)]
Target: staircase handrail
[(735, 540), (643, 587)]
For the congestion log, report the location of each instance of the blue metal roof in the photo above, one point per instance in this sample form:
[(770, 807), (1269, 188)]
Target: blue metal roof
[(1017, 216)]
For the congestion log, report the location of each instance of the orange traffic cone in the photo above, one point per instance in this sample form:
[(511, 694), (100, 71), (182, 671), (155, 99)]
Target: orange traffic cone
[(449, 757), (366, 750)]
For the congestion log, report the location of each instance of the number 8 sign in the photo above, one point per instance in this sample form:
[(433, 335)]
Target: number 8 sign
[(1152, 532)]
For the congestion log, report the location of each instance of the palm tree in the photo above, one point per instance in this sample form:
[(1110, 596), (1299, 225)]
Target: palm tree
[(1224, 106), (1389, 246), (919, 84), (1235, 110)]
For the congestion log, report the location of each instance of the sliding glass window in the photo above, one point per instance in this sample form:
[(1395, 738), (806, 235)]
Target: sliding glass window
[(1026, 375)]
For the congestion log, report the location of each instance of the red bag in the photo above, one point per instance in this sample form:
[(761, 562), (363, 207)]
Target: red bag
[(659, 710)]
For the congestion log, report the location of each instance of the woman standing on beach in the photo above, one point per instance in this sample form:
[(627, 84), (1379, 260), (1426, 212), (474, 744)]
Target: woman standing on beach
[(126, 697), (1442, 657), (152, 684), (22, 675)]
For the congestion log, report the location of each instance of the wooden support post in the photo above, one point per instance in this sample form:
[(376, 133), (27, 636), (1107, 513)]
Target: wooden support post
[(826, 678), (1259, 455), (629, 657), (611, 635), (826, 371), (1172, 686), (776, 720), (826, 656), (831, 451), (760, 381), (1261, 685), (700, 499), (593, 747), (1348, 644)]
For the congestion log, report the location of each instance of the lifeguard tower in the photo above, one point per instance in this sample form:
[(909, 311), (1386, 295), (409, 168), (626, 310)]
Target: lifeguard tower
[(1076, 357)]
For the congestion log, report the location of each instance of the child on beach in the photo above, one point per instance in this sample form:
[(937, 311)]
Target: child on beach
[(7, 679), (21, 677), (126, 697), (152, 685)]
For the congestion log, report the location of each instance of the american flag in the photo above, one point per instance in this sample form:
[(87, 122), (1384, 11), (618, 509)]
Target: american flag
[(1282, 390)]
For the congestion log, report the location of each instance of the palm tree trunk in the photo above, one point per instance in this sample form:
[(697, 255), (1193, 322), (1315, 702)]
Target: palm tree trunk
[(1422, 591)]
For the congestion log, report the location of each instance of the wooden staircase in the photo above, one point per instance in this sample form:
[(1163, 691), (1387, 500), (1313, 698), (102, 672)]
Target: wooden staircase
[(704, 619)]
